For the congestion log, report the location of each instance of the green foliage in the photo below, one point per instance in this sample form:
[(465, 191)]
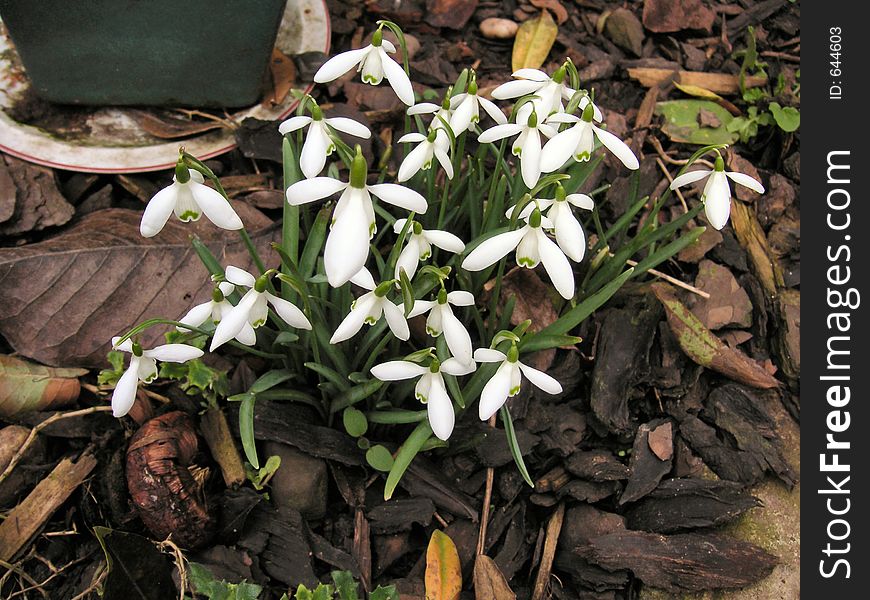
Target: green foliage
[(346, 588), (747, 127), (260, 477), (205, 584), (379, 458), (111, 376), (788, 118)]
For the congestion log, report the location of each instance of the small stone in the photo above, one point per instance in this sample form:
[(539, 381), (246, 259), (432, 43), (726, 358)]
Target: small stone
[(498, 29), (300, 482)]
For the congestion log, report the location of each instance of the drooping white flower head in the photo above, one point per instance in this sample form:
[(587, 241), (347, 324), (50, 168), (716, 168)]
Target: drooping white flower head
[(532, 247), (318, 142), (466, 107), (189, 198), (419, 245), (369, 308), (570, 235), (442, 113), (528, 143), (579, 141), (353, 220), (507, 380), (143, 367), (717, 191), (214, 311), (434, 145), (430, 388), (374, 63), (253, 309), (441, 319)]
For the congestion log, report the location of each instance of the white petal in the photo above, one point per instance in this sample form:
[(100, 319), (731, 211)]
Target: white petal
[(717, 200), (216, 207), (293, 123), (309, 190), (247, 335), (531, 74), (126, 346), (177, 353), (495, 392), (399, 195), (746, 181), (125, 390), (581, 201), (515, 89), (499, 132), (528, 254), (340, 64), (197, 315), (420, 307), (364, 279), (423, 108), (444, 240), (313, 156), (349, 126), (234, 320), (399, 225), (288, 311), (540, 379), (240, 277), (557, 266), (147, 368), (689, 177), (409, 258), (226, 288), (530, 159), (561, 117), (354, 320), (596, 112), (492, 250), (460, 298), (461, 118), (457, 337), (259, 312), (569, 234), (452, 366), (560, 148), (388, 46), (444, 160), (433, 321), (398, 79), (489, 355), (618, 147), (396, 370), (492, 110), (411, 138), (440, 409), (347, 246), (414, 161), (158, 210), (396, 320)]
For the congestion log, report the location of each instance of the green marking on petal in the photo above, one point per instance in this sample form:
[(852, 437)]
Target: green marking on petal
[(421, 398), (524, 261), (425, 255), (371, 320), (582, 157), (189, 215), (514, 391), (432, 332), (258, 323)]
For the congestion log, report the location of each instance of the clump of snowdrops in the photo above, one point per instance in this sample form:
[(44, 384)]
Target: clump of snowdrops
[(479, 188)]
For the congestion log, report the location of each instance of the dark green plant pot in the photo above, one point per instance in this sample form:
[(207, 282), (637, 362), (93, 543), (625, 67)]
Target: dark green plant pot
[(208, 53)]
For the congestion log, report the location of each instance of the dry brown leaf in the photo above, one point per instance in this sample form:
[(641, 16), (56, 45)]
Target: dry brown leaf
[(61, 300), (283, 75), (34, 199), (661, 441), (166, 126), (443, 569), (751, 236), (720, 83), (555, 6), (728, 304), (26, 387), (489, 582), (706, 349), (534, 40)]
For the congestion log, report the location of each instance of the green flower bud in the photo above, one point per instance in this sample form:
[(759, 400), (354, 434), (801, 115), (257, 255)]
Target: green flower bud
[(359, 170), (535, 218), (442, 296), (513, 354), (217, 295), (417, 228), (533, 119), (434, 366), (561, 194), (137, 349), (559, 75), (182, 173), (719, 164), (588, 113), (377, 37)]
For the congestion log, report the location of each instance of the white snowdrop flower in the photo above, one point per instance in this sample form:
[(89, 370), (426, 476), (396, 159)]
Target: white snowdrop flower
[(466, 109), (442, 112), (717, 192), (189, 198), (369, 308), (532, 247), (527, 146), (507, 380), (214, 310), (353, 220), (570, 235), (419, 245), (434, 145), (441, 319), (318, 141), (374, 63), (430, 388), (143, 367), (253, 309), (579, 141)]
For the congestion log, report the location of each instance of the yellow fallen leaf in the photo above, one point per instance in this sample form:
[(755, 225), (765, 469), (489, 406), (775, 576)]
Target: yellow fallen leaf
[(534, 40), (443, 571), (697, 91)]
